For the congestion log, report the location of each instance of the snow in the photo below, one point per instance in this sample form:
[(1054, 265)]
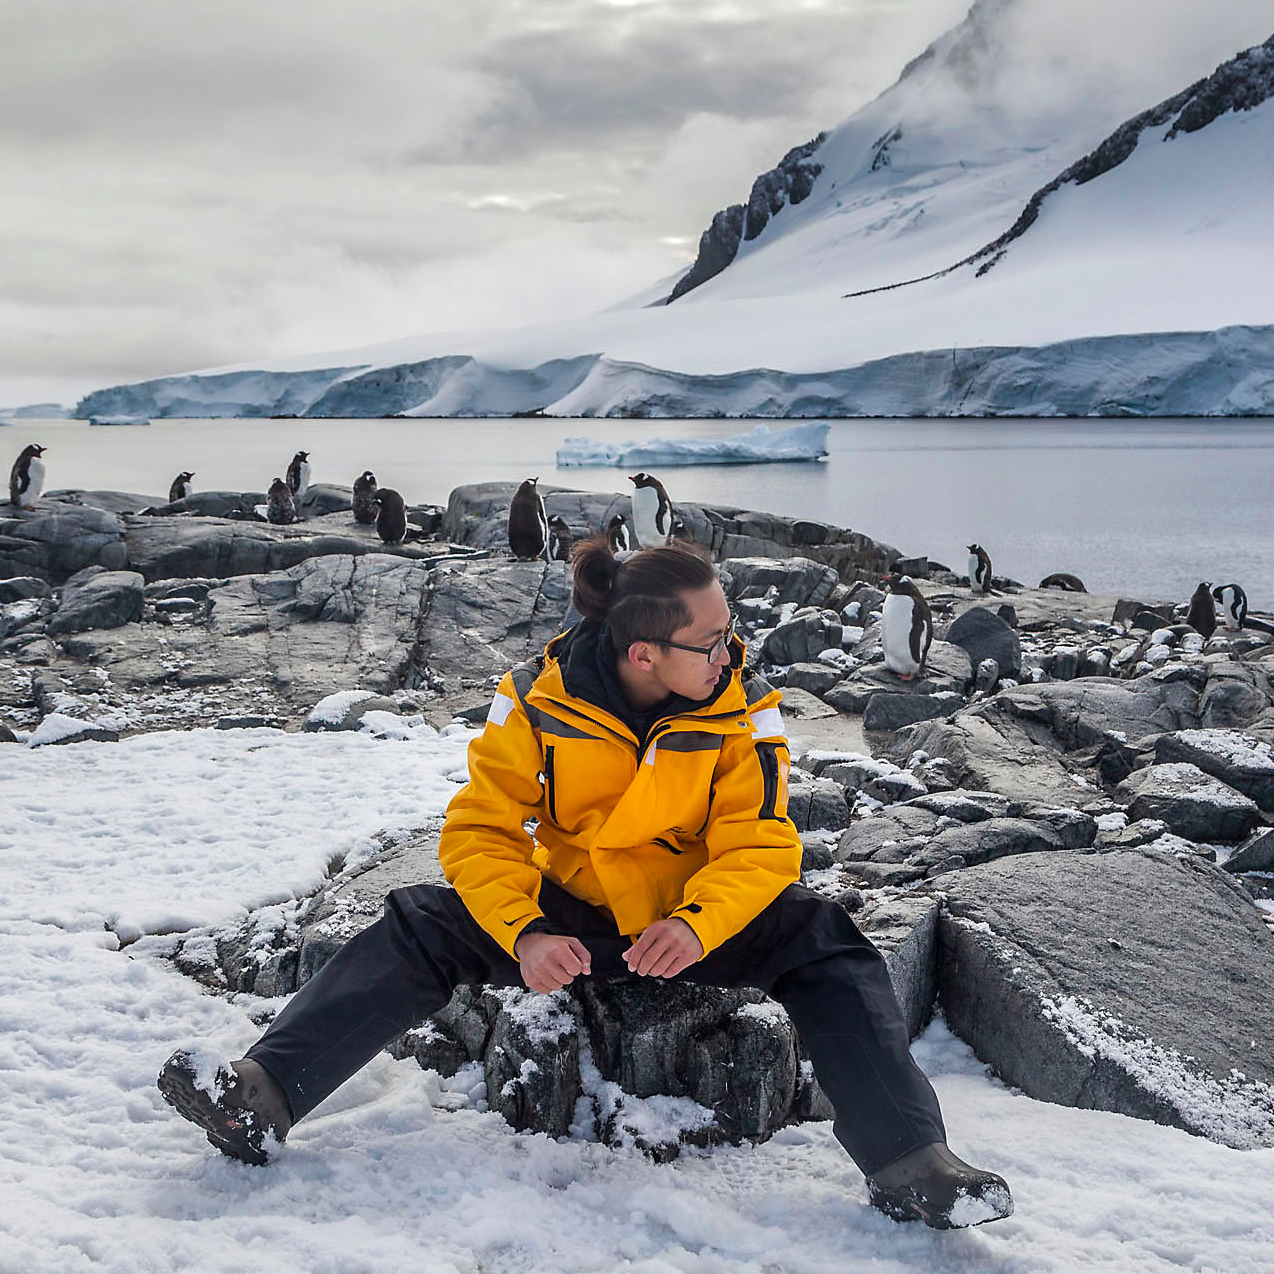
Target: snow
[(1235, 750), (400, 1169), (333, 708), (763, 445)]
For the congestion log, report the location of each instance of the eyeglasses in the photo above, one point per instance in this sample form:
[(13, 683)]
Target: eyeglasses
[(714, 652)]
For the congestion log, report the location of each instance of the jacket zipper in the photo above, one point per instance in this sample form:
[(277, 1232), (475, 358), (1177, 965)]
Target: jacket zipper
[(550, 784)]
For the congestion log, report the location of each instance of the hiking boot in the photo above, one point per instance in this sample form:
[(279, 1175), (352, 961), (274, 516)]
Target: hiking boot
[(934, 1186), (239, 1104)]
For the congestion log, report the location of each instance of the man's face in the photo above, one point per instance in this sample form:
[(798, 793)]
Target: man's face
[(684, 672)]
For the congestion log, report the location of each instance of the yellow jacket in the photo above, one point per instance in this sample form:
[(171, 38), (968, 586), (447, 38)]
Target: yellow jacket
[(692, 824)]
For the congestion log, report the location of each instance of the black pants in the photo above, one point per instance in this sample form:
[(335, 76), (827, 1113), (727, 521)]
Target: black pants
[(802, 949)]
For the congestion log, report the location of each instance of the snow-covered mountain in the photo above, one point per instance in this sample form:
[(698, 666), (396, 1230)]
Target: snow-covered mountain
[(969, 243)]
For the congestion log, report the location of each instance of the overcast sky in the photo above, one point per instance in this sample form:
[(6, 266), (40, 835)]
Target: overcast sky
[(190, 183)]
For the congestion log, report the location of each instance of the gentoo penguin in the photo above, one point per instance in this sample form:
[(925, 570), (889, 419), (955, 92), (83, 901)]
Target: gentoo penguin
[(365, 509), (906, 627), (391, 521), (528, 523), (1233, 605), (680, 531), (1202, 613), (559, 539), (979, 569), (180, 488), (26, 478), (280, 508), (1067, 583), (620, 534), (299, 476), (652, 511)]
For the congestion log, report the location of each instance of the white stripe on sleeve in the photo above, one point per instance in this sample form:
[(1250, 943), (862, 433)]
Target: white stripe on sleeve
[(499, 711), (768, 724)]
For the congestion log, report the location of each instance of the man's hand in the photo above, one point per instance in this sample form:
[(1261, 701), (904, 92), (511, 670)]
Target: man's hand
[(666, 948), (551, 961)]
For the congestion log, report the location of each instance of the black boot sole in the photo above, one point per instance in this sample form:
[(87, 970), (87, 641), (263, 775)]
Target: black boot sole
[(900, 1205), (233, 1136)]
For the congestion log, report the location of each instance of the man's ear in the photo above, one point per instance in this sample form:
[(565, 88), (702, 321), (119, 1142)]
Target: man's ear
[(639, 655)]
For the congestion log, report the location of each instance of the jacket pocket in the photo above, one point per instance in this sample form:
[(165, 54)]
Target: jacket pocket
[(550, 783), (773, 793)]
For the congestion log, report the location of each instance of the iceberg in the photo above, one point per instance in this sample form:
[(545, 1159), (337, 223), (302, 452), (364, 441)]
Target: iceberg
[(762, 446)]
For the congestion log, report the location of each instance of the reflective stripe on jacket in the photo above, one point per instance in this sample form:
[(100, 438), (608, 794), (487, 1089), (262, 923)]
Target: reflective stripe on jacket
[(692, 824)]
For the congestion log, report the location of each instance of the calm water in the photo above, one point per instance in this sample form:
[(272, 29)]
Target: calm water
[(1149, 506)]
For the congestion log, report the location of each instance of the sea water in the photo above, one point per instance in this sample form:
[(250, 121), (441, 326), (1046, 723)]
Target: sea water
[(1131, 507)]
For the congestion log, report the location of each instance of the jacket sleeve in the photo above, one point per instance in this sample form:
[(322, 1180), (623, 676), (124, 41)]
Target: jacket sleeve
[(484, 849), (754, 850)]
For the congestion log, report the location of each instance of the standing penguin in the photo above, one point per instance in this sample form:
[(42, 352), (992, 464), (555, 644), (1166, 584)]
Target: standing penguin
[(906, 627), (559, 539), (26, 478), (391, 521), (528, 523), (299, 476), (180, 488), (979, 569), (652, 511), (365, 509), (1202, 613), (1233, 605), (280, 508), (620, 534)]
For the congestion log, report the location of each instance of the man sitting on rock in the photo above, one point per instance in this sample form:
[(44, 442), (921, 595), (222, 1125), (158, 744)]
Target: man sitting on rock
[(656, 770)]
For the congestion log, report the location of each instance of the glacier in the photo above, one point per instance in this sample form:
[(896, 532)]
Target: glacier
[(762, 446)]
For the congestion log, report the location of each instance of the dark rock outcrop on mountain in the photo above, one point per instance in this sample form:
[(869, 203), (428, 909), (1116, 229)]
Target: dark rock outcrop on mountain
[(789, 182)]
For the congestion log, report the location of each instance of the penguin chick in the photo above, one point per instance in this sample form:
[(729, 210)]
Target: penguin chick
[(528, 523), (652, 511), (391, 520), (280, 508), (906, 627), (1067, 583), (979, 569), (180, 488), (364, 504), (1202, 613), (559, 539), (620, 535), (26, 478), (299, 476)]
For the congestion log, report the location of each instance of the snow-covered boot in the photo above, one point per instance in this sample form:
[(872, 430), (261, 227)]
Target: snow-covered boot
[(239, 1104), (934, 1186)]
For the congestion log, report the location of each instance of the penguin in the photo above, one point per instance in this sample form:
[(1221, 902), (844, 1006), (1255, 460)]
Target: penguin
[(979, 569), (620, 534), (906, 627), (652, 511), (391, 521), (528, 523), (559, 540), (1233, 607), (180, 488), (299, 476), (680, 531), (1202, 613), (26, 478), (365, 508), (280, 508), (1067, 583)]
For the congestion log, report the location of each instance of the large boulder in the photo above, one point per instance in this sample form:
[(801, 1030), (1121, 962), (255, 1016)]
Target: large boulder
[(1193, 804), (1064, 978), (982, 634), (57, 540), (95, 598), (1244, 763)]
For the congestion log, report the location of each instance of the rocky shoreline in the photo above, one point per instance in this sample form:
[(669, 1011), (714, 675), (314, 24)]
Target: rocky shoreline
[(1061, 835)]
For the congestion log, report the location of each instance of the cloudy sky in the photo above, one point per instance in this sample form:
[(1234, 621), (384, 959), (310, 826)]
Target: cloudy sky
[(191, 183), (205, 182)]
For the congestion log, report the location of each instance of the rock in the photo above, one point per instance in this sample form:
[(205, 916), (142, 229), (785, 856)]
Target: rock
[(905, 930), (1051, 966), (58, 540), (887, 711), (1133, 835), (816, 854), (1008, 613), (816, 804), (98, 599), (532, 1062), (1242, 762), (984, 635), (239, 505), (990, 839), (1147, 621), (1235, 695), (795, 579), (800, 705), (813, 677), (15, 616), (7, 736), (797, 641), (322, 498), (916, 567), (1256, 855), (57, 728), (889, 836), (345, 710), (1127, 609), (937, 774), (23, 587), (964, 806), (988, 674), (1192, 803)]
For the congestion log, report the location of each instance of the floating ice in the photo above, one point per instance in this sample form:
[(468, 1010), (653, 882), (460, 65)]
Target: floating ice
[(762, 446)]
